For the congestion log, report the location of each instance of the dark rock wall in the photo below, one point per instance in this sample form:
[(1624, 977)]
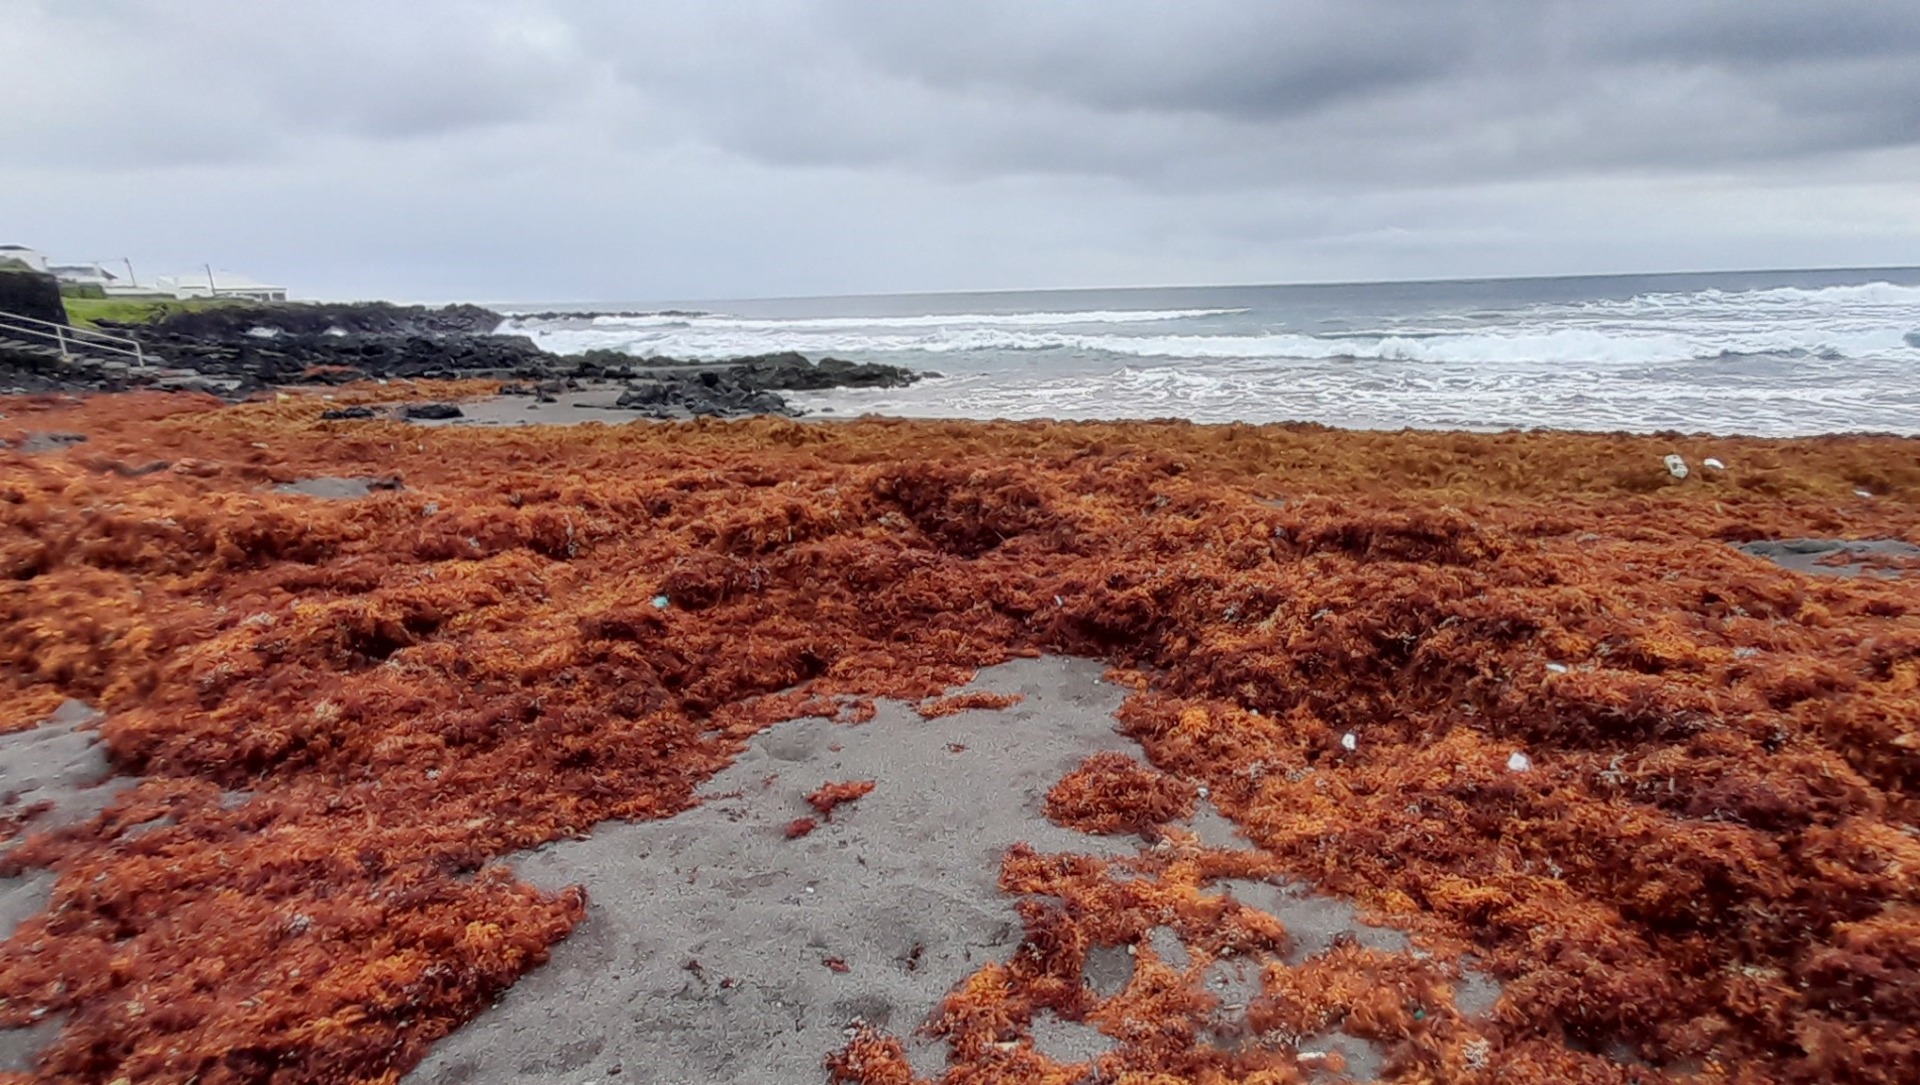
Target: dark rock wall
[(31, 293)]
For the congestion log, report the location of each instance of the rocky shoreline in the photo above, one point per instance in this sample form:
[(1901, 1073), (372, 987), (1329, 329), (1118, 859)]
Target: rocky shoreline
[(237, 350)]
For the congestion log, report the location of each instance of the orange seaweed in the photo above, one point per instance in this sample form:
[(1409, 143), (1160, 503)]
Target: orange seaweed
[(965, 702), (827, 797), (1113, 793), (1709, 862)]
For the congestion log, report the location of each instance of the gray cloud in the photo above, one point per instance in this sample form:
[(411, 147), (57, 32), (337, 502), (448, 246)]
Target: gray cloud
[(1247, 62), (235, 80), (1222, 93), (543, 147)]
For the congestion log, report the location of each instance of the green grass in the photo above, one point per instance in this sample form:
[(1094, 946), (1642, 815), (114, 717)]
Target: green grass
[(86, 312)]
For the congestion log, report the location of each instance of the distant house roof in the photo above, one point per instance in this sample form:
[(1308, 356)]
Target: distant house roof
[(24, 254), (198, 284), (88, 271)]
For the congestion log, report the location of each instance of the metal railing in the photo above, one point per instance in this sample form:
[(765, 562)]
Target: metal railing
[(70, 340)]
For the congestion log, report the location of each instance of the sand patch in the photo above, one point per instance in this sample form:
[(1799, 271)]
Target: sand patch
[(36, 443), (715, 946), (60, 766), (337, 489), (51, 776), (1837, 557)]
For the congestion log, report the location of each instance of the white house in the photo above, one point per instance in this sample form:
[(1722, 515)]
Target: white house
[(219, 284), (27, 256), (84, 274)]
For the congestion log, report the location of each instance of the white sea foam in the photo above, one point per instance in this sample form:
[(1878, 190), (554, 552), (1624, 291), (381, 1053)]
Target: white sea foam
[(1605, 346), (1780, 360), (1877, 294)]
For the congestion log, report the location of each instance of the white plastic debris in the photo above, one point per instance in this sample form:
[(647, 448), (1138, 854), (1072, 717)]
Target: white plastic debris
[(1676, 466), (1349, 742), (661, 602), (1713, 463), (1519, 762), (1558, 668), (1863, 493)]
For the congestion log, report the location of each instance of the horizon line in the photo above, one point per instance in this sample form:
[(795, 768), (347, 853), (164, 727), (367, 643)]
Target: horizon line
[(1303, 283)]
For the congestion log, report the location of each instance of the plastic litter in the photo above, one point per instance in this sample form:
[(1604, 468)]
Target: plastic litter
[(1349, 742), (1519, 762), (1676, 466), (1558, 668), (661, 602), (1713, 463)]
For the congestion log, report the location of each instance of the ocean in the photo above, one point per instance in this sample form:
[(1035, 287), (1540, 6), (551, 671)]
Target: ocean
[(1782, 353)]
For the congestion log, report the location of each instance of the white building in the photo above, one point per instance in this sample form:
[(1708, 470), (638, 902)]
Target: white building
[(219, 284), (84, 275), (27, 256)]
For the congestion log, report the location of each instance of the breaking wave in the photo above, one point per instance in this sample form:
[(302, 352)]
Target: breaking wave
[(1489, 346), (1777, 360)]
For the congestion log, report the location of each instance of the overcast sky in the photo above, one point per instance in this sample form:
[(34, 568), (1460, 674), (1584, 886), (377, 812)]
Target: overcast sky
[(583, 150)]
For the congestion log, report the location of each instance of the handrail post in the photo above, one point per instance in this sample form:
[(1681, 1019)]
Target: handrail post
[(60, 336)]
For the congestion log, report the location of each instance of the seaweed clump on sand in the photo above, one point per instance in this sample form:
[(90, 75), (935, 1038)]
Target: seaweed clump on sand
[(1113, 793), (940, 707), (1517, 692), (828, 797)]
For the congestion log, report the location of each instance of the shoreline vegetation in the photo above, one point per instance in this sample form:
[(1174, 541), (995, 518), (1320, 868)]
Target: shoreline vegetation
[(90, 312), (1523, 695)]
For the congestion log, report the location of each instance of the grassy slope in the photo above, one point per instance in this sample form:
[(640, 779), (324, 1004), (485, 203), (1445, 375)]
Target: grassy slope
[(88, 312)]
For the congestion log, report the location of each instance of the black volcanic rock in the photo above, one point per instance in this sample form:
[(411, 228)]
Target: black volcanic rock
[(708, 392), (238, 348), (32, 294), (328, 358), (750, 385), (302, 319), (789, 371), (430, 412)]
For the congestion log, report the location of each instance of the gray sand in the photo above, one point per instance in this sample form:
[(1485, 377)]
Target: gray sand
[(900, 886), (1313, 921), (1805, 555), (60, 762), (702, 957), (333, 489), (36, 443)]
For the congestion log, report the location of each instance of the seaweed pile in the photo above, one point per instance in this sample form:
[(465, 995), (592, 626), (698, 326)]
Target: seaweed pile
[(344, 712)]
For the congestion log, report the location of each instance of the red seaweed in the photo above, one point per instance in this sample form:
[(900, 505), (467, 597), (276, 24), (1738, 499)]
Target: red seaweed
[(1709, 861), (829, 796)]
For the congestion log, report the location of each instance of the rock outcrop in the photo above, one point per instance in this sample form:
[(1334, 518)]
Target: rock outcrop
[(29, 293), (240, 348), (750, 385)]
